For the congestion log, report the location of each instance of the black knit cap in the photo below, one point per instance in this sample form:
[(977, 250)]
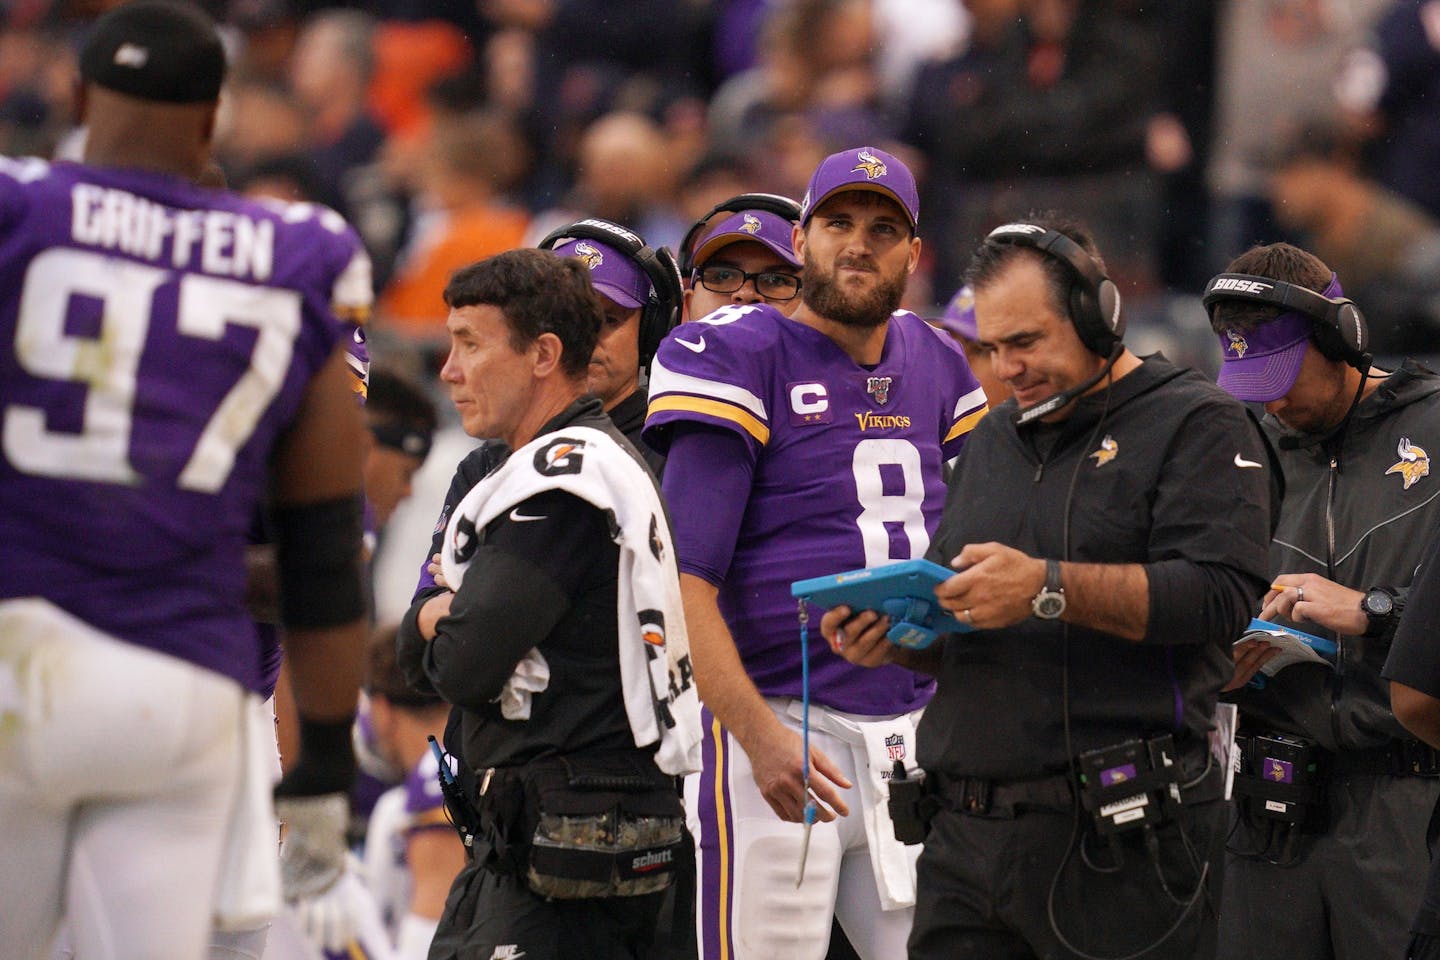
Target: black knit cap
[(162, 50)]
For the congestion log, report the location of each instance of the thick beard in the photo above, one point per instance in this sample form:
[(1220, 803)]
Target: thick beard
[(821, 294)]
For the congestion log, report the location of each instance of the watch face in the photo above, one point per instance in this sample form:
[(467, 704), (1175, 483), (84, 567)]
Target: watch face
[(1049, 605), (1379, 603)]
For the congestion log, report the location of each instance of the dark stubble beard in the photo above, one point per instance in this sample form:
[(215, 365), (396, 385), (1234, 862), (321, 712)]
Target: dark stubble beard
[(823, 295)]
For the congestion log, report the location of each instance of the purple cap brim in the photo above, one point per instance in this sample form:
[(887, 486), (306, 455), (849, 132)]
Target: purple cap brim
[(615, 276), (754, 226), (1261, 365)]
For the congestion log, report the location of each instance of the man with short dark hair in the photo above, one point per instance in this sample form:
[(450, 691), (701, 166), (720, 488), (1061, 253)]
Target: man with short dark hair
[(1345, 851), (563, 644), (639, 308), (1108, 525), (168, 354)]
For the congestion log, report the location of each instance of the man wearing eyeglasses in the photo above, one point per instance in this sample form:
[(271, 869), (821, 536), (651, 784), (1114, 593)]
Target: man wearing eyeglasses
[(747, 259)]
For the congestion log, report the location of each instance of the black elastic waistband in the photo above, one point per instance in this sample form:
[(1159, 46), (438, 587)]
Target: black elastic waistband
[(1398, 758), (980, 797)]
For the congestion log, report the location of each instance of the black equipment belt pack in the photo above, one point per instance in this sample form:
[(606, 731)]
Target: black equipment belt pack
[(584, 826), (1130, 784), (1281, 778)]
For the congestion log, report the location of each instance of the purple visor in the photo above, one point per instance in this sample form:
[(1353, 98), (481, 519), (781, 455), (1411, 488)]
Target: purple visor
[(615, 276), (756, 226), (1261, 364)]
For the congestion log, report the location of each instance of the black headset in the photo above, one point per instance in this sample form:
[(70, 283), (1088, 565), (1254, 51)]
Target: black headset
[(1093, 300), (661, 311), (1340, 331), (782, 207)]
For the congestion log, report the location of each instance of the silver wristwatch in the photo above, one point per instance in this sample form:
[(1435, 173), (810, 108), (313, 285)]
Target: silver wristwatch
[(1049, 603)]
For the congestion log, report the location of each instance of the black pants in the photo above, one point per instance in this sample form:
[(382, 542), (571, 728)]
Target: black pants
[(1350, 893), (984, 888), (486, 912)]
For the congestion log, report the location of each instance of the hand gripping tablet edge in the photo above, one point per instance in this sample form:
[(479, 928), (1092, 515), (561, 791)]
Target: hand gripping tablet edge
[(904, 591)]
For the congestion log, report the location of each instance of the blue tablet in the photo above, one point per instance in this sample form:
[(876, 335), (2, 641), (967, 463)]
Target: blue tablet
[(904, 591)]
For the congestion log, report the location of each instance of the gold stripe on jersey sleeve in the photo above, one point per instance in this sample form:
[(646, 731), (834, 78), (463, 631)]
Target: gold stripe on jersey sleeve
[(715, 408), (358, 314), (966, 423)]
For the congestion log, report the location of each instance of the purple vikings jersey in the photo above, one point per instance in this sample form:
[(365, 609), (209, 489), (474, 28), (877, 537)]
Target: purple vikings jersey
[(847, 473), (155, 340)]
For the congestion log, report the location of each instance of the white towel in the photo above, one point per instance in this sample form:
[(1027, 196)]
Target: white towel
[(531, 676), (875, 746), (655, 673)]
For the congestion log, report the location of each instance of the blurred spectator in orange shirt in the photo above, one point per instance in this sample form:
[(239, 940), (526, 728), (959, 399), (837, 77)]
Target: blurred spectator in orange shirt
[(468, 169)]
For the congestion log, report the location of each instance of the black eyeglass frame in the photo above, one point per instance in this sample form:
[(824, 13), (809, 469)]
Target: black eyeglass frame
[(699, 277)]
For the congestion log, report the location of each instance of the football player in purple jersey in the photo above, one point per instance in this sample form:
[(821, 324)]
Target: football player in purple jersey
[(167, 354), (801, 447)]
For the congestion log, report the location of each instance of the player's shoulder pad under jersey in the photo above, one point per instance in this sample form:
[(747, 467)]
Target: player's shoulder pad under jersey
[(716, 371), (330, 236), (929, 330), (949, 370), (15, 174), (22, 170)]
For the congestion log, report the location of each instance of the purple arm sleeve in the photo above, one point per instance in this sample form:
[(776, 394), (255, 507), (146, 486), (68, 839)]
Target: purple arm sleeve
[(426, 581), (707, 484)]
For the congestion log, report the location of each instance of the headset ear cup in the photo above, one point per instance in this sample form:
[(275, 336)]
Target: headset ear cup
[(1096, 316), (1112, 317), (662, 310), (1327, 340), (1354, 330), (1085, 316), (1344, 337)]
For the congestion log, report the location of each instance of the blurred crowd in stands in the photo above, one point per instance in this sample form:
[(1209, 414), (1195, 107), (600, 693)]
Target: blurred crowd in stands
[(447, 130)]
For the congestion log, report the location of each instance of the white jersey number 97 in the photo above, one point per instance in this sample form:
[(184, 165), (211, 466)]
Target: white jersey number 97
[(107, 364)]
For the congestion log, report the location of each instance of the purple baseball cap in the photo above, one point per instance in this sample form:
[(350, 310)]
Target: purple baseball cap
[(756, 226), (959, 315), (615, 276), (1261, 364), (865, 168)]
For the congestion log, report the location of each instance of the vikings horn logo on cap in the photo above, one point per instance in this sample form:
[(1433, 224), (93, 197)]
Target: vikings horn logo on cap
[(871, 165), (588, 255)]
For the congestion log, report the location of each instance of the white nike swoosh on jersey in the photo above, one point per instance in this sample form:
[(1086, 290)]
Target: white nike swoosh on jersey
[(1242, 462), (519, 517), (697, 347)]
